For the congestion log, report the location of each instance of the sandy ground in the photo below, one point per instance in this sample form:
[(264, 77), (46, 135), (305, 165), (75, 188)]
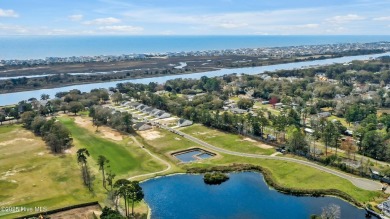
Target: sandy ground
[(258, 144), (150, 134), (105, 131), (78, 213), (168, 121), (16, 140)]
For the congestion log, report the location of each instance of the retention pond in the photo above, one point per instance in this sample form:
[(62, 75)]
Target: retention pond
[(244, 195)]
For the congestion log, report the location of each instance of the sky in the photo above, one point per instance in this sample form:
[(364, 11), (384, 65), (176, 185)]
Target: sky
[(194, 17)]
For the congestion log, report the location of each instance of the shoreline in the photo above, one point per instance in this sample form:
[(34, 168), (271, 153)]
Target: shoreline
[(143, 76), (98, 82), (270, 181)]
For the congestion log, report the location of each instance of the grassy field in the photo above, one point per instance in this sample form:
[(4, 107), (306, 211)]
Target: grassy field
[(31, 176), (294, 175), (286, 173), (164, 142), (267, 107), (227, 140), (342, 120), (126, 158)]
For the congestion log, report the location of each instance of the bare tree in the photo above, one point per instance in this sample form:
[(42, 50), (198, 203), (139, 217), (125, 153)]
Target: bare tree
[(331, 211)]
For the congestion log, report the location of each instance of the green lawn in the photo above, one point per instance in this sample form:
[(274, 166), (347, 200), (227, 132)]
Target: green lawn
[(227, 140), (294, 175), (39, 178), (36, 177), (342, 120), (126, 159), (32, 176), (168, 142), (267, 107)]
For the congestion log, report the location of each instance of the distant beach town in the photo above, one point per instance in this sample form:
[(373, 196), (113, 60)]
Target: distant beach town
[(266, 52)]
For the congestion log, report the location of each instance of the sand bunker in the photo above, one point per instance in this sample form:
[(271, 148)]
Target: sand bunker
[(82, 122), (150, 135), (249, 139), (258, 144), (105, 131)]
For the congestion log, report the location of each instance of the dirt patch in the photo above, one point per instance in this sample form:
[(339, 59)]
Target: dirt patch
[(8, 173), (249, 139), (168, 121), (150, 134), (109, 133), (82, 122), (105, 131), (258, 144), (70, 151), (13, 141), (78, 213)]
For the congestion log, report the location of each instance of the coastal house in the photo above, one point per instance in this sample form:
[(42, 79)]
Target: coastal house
[(184, 122), (309, 131), (278, 105), (265, 77), (154, 111), (141, 107), (162, 115), (141, 126), (349, 132), (237, 111), (133, 105), (147, 109)]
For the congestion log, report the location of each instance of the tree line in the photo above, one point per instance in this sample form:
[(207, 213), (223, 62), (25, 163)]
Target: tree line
[(56, 135), (206, 109)]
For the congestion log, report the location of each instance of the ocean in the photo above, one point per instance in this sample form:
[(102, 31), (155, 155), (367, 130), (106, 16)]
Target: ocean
[(35, 47)]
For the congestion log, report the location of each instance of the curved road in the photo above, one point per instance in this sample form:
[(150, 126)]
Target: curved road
[(357, 181), (362, 183), (154, 156)]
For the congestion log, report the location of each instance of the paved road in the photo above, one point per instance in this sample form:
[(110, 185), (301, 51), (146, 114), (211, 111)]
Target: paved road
[(357, 181), (154, 156)]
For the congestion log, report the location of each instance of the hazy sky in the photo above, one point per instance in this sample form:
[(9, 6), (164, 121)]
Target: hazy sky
[(194, 17)]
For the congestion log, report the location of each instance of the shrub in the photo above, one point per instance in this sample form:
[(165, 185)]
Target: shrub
[(215, 178)]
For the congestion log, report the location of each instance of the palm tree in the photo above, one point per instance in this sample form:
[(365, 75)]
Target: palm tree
[(82, 155), (102, 161), (123, 189), (110, 178), (135, 194)]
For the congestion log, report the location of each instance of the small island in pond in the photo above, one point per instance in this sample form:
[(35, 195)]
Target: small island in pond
[(215, 178)]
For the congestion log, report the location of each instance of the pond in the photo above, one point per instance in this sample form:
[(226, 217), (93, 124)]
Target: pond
[(193, 155), (244, 195)]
